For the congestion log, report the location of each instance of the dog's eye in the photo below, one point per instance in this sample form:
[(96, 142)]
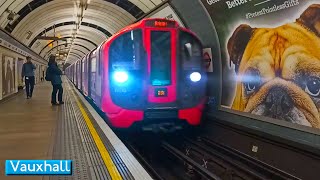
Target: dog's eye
[(251, 86), (313, 86), (252, 81)]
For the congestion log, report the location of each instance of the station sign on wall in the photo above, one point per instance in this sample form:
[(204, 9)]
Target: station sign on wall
[(270, 56), (168, 13), (207, 57)]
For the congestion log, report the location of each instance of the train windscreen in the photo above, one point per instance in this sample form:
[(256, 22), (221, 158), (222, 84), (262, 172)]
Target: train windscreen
[(160, 58), (125, 51)]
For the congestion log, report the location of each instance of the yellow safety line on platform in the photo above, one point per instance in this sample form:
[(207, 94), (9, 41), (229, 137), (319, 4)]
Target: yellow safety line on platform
[(113, 171)]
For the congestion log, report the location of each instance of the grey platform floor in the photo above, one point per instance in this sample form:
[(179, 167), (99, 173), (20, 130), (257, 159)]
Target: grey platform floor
[(33, 129)]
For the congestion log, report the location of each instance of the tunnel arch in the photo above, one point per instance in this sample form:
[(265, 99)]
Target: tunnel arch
[(105, 16)]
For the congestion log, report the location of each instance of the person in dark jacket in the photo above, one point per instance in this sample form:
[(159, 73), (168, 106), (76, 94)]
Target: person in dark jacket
[(55, 77), (28, 73)]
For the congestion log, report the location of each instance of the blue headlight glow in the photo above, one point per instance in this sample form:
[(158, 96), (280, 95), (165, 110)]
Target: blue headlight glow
[(195, 76), (120, 76)]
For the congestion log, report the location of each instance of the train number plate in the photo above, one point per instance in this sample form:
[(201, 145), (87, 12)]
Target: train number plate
[(161, 92)]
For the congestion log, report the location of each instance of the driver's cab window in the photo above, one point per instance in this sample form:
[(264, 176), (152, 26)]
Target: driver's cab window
[(126, 52), (190, 51)]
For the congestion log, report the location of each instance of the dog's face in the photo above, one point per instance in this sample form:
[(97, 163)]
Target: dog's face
[(278, 69)]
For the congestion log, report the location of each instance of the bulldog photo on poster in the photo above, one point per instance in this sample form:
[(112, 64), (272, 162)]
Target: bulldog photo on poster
[(271, 54)]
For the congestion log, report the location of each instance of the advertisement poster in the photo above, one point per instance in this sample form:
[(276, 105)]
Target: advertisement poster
[(8, 76), (270, 52)]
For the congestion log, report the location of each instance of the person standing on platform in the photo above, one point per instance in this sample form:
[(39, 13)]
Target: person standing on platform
[(28, 74), (53, 74)]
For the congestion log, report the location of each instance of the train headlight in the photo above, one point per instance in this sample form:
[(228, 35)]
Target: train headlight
[(195, 76), (120, 76)]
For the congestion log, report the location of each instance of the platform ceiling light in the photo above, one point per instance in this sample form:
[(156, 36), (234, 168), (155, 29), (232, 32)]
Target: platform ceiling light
[(120, 76), (195, 76)]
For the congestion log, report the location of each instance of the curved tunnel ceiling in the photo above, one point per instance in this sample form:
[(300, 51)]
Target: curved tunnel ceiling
[(104, 31), (68, 37), (82, 22)]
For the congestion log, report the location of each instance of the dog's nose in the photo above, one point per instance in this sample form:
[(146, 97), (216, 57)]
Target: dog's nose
[(278, 102)]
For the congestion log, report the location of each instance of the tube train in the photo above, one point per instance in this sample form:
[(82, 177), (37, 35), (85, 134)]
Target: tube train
[(150, 74)]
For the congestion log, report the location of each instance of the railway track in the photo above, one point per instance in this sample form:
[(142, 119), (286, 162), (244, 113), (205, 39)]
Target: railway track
[(228, 163), (162, 160), (189, 158), (194, 170)]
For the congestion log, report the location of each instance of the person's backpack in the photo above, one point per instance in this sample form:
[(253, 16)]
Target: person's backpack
[(48, 75)]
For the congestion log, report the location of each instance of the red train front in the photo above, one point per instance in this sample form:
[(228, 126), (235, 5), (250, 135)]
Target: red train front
[(152, 74)]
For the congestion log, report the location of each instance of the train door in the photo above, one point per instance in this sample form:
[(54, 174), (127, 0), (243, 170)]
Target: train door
[(75, 74), (82, 73), (72, 71), (79, 74), (93, 75), (161, 48), (98, 88), (85, 76), (89, 73)]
